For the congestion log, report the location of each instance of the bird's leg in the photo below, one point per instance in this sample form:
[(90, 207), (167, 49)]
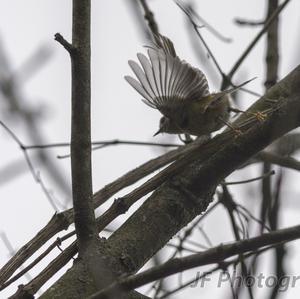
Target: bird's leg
[(237, 131), (260, 116), (203, 139), (187, 138)]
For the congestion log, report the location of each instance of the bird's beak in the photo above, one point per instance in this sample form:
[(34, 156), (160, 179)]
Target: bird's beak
[(158, 132)]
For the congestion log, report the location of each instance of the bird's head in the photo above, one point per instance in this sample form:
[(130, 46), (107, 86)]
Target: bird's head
[(167, 126)]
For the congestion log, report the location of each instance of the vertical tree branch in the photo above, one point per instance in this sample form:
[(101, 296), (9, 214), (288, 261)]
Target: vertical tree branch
[(272, 56), (280, 251), (270, 203), (272, 63), (84, 216)]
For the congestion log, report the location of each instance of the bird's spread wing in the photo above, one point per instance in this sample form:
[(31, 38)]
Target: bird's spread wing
[(165, 81)]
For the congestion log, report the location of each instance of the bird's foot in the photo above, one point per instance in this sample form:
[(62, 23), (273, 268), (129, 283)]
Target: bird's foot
[(237, 131), (260, 116), (187, 138)]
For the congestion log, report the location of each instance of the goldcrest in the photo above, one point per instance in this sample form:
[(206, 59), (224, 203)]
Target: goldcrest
[(179, 91)]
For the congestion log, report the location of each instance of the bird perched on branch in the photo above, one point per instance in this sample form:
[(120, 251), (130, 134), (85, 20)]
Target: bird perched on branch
[(179, 91)]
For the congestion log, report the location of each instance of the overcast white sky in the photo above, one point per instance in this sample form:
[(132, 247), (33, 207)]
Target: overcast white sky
[(117, 111)]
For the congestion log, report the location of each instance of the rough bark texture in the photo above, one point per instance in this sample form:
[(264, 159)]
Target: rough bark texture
[(82, 190)]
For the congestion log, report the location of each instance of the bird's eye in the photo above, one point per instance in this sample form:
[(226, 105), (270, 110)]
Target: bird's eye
[(162, 121)]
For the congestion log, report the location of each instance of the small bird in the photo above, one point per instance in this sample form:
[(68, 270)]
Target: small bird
[(179, 91)]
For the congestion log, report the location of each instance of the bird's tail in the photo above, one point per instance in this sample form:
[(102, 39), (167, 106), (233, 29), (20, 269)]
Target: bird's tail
[(219, 95), (231, 90)]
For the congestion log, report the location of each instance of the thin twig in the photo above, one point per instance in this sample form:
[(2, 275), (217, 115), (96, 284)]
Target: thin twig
[(35, 174), (226, 80), (59, 38), (287, 162), (257, 38), (243, 22), (12, 252), (262, 177), (9, 87), (25, 270), (222, 266), (149, 16), (105, 142), (208, 26), (196, 28)]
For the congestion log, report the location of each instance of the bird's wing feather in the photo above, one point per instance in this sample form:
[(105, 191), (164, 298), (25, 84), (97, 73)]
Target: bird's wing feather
[(142, 78), (148, 71), (167, 83), (138, 87)]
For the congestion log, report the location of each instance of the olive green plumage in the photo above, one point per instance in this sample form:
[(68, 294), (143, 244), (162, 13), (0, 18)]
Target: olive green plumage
[(179, 91)]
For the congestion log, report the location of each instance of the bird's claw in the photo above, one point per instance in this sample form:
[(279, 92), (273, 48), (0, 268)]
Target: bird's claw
[(260, 116), (237, 132)]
